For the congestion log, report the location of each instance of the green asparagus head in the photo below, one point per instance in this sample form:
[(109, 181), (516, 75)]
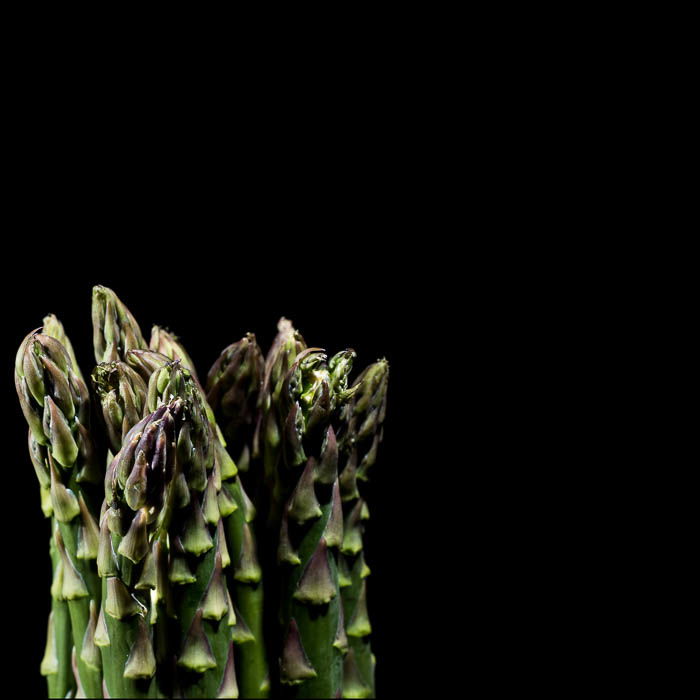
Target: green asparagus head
[(122, 393), (233, 385), (115, 330), (367, 409), (340, 366), (312, 392), (141, 479), (146, 362), (169, 345), (362, 419), (171, 380), (54, 328), (287, 345), (175, 381), (54, 400)]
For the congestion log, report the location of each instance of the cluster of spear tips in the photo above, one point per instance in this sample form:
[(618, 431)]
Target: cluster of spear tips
[(206, 540)]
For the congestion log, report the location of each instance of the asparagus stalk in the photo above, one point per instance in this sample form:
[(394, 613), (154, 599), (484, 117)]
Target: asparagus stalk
[(55, 404), (363, 418), (233, 385), (311, 529)]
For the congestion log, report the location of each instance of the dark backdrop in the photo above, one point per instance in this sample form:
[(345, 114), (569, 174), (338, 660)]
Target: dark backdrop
[(373, 304)]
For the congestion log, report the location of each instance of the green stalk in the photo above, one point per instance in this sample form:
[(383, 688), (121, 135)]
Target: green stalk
[(359, 665), (312, 665), (56, 663), (204, 627), (253, 668), (81, 595), (245, 580)]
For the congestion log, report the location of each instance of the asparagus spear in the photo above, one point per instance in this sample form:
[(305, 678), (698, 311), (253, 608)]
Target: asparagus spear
[(162, 490), (233, 384), (363, 418), (237, 513), (133, 553), (311, 530), (55, 404), (203, 599)]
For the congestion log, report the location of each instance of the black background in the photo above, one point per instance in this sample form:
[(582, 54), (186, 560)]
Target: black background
[(368, 300)]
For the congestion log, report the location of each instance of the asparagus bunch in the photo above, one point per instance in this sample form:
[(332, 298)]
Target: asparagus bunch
[(162, 594)]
